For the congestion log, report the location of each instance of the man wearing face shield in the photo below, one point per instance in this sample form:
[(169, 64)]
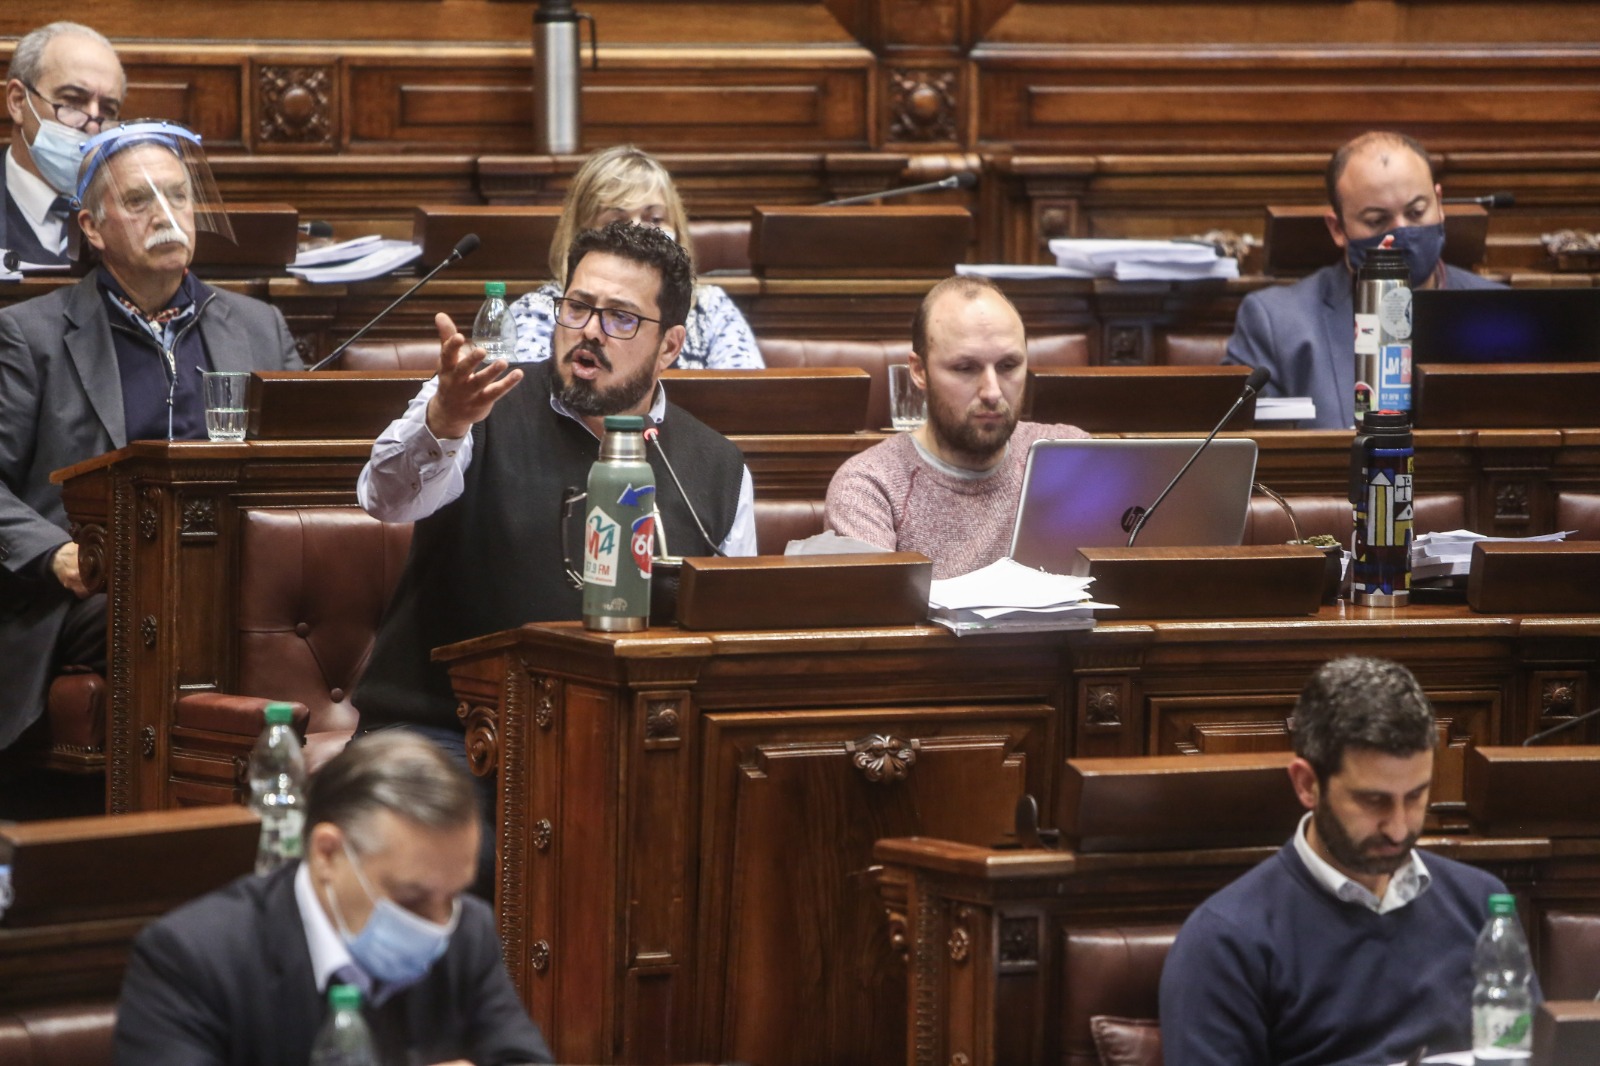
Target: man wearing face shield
[(240, 977), (1380, 187), (89, 368), (64, 85)]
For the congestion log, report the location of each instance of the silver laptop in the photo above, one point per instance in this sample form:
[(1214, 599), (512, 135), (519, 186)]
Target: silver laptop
[(1088, 494)]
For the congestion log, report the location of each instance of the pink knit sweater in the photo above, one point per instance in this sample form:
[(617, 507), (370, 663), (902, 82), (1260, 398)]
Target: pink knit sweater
[(891, 496)]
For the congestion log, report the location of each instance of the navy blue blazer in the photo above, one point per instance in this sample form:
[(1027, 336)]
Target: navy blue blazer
[(227, 981), (1305, 335), (15, 233)]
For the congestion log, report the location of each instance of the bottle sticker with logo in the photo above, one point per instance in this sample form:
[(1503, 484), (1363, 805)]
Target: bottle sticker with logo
[(1366, 334), (1394, 378), (644, 529), (600, 548), (1394, 313)]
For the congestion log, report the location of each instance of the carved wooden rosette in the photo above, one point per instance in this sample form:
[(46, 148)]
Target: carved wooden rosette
[(1511, 502), (483, 737), (297, 106), (91, 539), (883, 759), (923, 104)]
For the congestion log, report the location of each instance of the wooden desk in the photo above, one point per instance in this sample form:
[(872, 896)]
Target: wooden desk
[(157, 524), (686, 821)]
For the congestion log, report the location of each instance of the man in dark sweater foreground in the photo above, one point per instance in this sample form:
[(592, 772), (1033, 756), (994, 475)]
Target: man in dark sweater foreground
[(1348, 946)]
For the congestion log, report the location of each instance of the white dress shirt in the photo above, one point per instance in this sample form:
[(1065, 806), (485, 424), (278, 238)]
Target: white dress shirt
[(412, 473), (33, 198), (1405, 885)]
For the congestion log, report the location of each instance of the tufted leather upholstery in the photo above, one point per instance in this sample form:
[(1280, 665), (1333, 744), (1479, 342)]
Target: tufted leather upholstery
[(313, 585), (1064, 349), (1109, 972), (720, 245), (1267, 524), (1579, 511), (76, 1035)]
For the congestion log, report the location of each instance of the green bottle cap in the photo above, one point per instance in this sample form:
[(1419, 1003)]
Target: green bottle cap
[(625, 423), (1502, 904), (344, 997), (495, 288), (279, 713)]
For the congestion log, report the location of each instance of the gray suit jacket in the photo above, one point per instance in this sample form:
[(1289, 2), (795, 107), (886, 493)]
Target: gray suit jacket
[(61, 403), (1305, 335)]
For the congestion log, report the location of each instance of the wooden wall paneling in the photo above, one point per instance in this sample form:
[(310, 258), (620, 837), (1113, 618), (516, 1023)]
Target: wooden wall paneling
[(834, 783), (432, 101), (359, 194), (1248, 96), (205, 93), (296, 104)]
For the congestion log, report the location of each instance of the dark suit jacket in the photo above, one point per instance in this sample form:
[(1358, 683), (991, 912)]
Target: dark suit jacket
[(227, 981), (1305, 335), (15, 233), (61, 403)]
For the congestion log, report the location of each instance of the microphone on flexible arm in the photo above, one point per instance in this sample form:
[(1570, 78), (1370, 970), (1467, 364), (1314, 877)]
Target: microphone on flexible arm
[(464, 247), (1253, 384), (1489, 200), (954, 181), (1561, 727), (653, 435), (317, 229)]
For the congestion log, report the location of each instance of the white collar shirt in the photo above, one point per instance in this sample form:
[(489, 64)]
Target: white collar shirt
[(1405, 885), (34, 198)]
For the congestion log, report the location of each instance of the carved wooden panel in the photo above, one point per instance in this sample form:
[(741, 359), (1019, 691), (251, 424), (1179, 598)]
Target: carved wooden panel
[(788, 848), (296, 105), (925, 103), (202, 93)]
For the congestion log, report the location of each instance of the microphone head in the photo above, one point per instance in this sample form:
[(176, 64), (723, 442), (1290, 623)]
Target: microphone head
[(319, 229), (1258, 379), (966, 180), (1500, 199), (465, 246)]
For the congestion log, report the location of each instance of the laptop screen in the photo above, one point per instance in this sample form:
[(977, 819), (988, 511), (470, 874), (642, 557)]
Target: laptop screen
[(1505, 325), (1088, 493)]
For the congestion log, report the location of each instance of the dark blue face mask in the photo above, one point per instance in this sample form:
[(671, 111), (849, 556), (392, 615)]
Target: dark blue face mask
[(1421, 245)]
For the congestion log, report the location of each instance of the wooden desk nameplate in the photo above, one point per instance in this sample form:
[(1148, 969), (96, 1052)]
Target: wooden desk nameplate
[(805, 591), (1535, 578), (266, 237), (1249, 581), (514, 242), (1140, 399), (858, 242), (807, 400), (1551, 790), (1506, 395), (328, 404)]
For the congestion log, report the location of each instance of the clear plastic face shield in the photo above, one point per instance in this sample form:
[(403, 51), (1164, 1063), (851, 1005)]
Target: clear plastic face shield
[(152, 176)]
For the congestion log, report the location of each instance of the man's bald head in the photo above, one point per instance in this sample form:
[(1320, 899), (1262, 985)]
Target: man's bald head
[(1380, 146)]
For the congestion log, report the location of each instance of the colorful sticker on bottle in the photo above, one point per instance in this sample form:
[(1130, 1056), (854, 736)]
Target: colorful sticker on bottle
[(644, 530), (1394, 378), (1366, 334), (1394, 313), (600, 548)]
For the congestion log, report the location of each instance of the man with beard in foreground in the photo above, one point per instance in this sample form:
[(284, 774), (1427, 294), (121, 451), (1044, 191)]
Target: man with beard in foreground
[(481, 457), (1349, 945), (949, 489)]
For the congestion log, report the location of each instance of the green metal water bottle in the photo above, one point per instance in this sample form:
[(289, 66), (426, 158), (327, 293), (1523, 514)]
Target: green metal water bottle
[(619, 530)]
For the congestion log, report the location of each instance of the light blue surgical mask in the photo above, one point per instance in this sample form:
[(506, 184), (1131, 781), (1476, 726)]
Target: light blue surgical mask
[(396, 946), (57, 150)]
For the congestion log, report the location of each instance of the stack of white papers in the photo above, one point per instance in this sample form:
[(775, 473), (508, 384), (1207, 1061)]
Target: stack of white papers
[(1020, 271), (1285, 409), (357, 260), (1006, 596), (1435, 555), (1142, 260)]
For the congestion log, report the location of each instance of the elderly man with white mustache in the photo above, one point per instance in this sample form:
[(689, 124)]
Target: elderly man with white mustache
[(90, 367)]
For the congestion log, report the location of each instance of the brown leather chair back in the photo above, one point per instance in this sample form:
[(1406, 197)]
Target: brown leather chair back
[(1050, 350), (1193, 349), (1109, 972), (313, 584), (1571, 963), (1579, 511), (390, 355), (76, 1035), (780, 521), (1267, 524), (721, 245)]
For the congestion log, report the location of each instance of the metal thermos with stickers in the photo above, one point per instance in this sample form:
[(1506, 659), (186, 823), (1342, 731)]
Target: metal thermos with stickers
[(1380, 487), (619, 530), (1383, 334)]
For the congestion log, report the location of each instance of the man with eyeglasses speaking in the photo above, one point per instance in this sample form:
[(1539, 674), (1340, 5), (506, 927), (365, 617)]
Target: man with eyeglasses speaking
[(65, 84), (481, 457), (90, 367)]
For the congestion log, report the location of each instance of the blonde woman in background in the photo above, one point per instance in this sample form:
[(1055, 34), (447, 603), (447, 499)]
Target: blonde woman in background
[(625, 183)]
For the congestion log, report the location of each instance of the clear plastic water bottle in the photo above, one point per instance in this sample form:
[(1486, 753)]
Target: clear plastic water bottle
[(344, 1039), (1502, 999), (494, 330), (277, 790)]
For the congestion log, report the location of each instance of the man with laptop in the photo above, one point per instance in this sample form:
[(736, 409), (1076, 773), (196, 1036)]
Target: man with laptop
[(949, 489), (1380, 187)]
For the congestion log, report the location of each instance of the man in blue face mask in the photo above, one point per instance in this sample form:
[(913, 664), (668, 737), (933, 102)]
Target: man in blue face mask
[(1380, 188), (65, 84), (240, 977)]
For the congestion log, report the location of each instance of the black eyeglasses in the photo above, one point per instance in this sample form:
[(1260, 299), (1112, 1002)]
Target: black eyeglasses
[(614, 323), (75, 117)]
